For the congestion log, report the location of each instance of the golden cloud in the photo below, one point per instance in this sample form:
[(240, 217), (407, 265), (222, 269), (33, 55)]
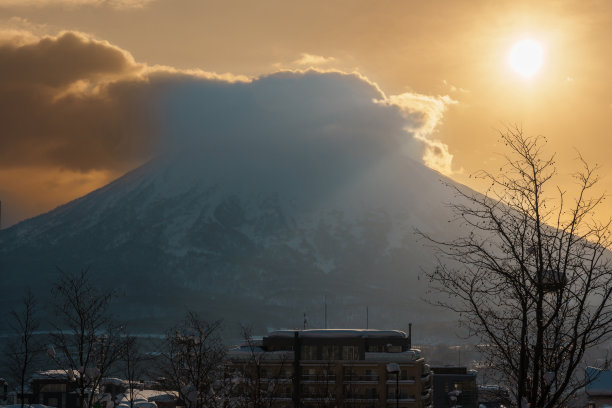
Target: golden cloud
[(313, 60), (119, 4), (73, 102), (429, 111)]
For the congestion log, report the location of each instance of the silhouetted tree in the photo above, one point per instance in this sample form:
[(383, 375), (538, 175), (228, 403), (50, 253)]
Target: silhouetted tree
[(531, 276), (193, 361), (259, 378), (22, 350), (134, 365), (86, 341)]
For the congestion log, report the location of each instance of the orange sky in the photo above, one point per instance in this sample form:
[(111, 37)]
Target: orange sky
[(431, 51)]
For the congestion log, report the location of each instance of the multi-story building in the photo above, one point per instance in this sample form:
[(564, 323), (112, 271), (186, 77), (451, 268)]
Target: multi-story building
[(454, 386), (331, 368)]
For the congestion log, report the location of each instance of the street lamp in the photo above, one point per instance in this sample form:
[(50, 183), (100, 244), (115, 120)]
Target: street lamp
[(394, 368)]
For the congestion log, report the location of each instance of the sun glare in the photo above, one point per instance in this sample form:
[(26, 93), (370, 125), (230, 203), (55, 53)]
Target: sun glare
[(526, 58)]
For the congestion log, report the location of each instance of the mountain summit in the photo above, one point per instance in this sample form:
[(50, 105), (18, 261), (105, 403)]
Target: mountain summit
[(258, 219)]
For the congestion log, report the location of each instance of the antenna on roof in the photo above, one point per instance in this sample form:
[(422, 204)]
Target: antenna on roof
[(305, 321), (410, 333), (367, 318), (325, 311)]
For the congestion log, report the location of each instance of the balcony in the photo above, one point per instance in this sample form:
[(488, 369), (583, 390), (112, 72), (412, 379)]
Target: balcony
[(366, 397), (277, 380), (402, 397), (401, 357), (361, 378), (391, 380), (318, 378), (401, 400)]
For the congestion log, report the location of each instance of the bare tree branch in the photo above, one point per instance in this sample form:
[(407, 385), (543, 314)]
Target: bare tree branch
[(531, 277)]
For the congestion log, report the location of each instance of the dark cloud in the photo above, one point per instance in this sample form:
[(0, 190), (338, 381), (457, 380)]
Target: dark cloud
[(58, 62), (71, 105), (73, 102)]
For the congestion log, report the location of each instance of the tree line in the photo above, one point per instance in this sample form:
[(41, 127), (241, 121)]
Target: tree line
[(86, 344)]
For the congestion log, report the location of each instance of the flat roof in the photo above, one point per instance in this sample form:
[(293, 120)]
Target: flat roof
[(338, 333)]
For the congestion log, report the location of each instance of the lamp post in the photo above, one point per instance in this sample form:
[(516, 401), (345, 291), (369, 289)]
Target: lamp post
[(394, 368)]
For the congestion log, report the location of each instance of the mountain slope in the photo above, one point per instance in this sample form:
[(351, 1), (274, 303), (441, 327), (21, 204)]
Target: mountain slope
[(178, 233)]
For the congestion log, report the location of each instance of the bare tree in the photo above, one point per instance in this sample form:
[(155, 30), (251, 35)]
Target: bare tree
[(261, 377), (193, 361), (21, 353), (531, 276), (134, 365), (87, 342), (325, 395)]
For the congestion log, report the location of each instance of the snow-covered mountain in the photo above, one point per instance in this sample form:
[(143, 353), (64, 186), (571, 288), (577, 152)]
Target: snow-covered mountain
[(180, 233), (267, 197)]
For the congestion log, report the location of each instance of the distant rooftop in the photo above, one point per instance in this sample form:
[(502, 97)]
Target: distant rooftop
[(54, 374), (338, 333), (452, 370), (599, 381)]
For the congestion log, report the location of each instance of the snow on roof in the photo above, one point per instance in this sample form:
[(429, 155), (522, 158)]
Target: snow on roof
[(143, 404), (253, 342), (340, 333), (162, 397), (599, 382), (149, 395), (113, 381), (26, 406), (51, 374)]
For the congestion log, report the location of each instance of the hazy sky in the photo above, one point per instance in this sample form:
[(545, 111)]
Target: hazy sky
[(81, 79)]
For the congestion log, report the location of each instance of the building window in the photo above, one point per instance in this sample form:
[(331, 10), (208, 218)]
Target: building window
[(286, 372), (53, 402), (331, 352), (350, 374), (350, 352), (402, 394), (371, 393), (53, 388), (371, 375), (404, 375), (309, 352)]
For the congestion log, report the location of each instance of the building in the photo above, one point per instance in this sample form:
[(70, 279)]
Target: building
[(3, 391), (54, 388), (598, 390), (454, 386), (58, 388), (493, 396), (331, 368)]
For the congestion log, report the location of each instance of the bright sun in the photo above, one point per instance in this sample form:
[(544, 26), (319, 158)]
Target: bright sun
[(526, 58)]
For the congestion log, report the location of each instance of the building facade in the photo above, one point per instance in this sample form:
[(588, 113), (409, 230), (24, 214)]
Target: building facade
[(454, 386), (331, 368)]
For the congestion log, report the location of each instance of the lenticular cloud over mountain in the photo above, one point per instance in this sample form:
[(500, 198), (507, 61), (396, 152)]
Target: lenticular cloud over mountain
[(265, 197), (297, 116), (312, 130)]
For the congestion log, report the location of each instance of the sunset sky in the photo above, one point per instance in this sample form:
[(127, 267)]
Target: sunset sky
[(82, 81)]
